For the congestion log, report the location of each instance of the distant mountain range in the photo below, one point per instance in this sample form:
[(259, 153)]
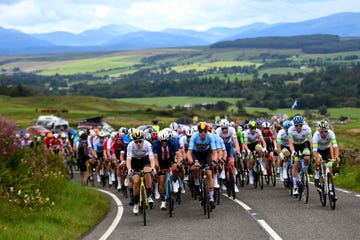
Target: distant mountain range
[(124, 37)]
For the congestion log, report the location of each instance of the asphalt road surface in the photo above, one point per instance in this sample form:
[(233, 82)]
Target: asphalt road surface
[(269, 213)]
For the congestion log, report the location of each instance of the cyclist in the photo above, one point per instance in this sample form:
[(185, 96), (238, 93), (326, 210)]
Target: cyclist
[(282, 140), (155, 125), (202, 150), (82, 158), (55, 145), (270, 140), (99, 152), (118, 153), (300, 140), (252, 137), (140, 157), (228, 134), (165, 151), (26, 142), (321, 150)]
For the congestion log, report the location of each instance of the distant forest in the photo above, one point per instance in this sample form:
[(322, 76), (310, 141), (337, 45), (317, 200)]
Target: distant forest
[(317, 43), (332, 86)]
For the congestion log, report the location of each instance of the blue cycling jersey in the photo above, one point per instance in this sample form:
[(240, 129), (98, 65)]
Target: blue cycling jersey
[(196, 144)]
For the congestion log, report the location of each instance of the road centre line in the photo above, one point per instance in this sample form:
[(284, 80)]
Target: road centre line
[(118, 214), (357, 195), (262, 223)]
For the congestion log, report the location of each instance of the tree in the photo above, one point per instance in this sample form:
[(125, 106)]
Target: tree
[(322, 110)]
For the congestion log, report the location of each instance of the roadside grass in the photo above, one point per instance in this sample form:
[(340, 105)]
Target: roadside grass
[(77, 209), (349, 177)]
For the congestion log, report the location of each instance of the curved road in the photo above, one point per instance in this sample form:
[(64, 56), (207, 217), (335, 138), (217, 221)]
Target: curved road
[(256, 214)]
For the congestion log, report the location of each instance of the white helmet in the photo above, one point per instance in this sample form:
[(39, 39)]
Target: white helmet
[(163, 135), (187, 131), (265, 125), (194, 129), (174, 126), (224, 123)]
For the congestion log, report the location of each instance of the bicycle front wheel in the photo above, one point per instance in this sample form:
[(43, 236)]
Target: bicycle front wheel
[(305, 190), (143, 203), (332, 199), (171, 198)]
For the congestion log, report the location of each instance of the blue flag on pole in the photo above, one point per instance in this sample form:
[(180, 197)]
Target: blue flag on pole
[(294, 104)]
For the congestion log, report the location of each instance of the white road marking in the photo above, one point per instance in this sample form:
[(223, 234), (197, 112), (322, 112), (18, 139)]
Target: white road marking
[(357, 195), (262, 223), (118, 215), (272, 233), (342, 190)]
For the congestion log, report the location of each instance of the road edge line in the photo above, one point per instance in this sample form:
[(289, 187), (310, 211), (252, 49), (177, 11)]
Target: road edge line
[(118, 214)]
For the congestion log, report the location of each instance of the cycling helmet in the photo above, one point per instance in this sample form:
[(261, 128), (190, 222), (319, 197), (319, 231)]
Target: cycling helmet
[(102, 134), (202, 126), (123, 130), (50, 135), (174, 134), (232, 124), (154, 136), (174, 126), (155, 121), (131, 131), (224, 123), (188, 131), (26, 136), (137, 134), (56, 135), (147, 136), (265, 125), (323, 125), (240, 128), (287, 124), (194, 128), (163, 135), (117, 136), (298, 119), (217, 122), (252, 124), (63, 135)]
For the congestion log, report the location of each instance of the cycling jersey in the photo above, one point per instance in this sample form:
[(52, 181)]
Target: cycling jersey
[(227, 137), (252, 137), (282, 138), (183, 142), (196, 144), (300, 137), (320, 143), (134, 152), (219, 142)]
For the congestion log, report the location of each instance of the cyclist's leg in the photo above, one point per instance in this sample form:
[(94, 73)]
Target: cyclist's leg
[(162, 182)]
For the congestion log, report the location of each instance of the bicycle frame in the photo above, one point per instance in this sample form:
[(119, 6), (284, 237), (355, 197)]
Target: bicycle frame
[(303, 181), (143, 200), (169, 192)]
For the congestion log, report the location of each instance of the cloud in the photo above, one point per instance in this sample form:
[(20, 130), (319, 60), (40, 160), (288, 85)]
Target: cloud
[(79, 15)]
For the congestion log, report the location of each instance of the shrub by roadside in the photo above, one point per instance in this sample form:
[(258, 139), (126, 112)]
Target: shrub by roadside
[(37, 201)]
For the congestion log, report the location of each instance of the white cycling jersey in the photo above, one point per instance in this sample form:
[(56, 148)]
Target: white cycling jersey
[(250, 138), (300, 137), (134, 152), (282, 138), (229, 136), (320, 143)]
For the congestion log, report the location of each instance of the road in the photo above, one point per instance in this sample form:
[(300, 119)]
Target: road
[(256, 214)]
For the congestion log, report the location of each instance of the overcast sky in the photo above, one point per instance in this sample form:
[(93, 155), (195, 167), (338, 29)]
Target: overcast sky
[(39, 16)]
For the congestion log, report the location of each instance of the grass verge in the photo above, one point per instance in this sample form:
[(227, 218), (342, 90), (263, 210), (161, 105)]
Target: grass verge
[(76, 211)]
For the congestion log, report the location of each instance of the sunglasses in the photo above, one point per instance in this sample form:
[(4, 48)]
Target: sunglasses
[(138, 141), (252, 128), (118, 139), (298, 125), (164, 141), (202, 131), (224, 128), (323, 131)]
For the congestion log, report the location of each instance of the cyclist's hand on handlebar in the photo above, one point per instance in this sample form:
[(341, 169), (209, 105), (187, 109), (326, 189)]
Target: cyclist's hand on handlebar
[(131, 172), (293, 154), (248, 152), (197, 164)]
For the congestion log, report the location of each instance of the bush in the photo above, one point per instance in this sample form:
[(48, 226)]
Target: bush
[(28, 176)]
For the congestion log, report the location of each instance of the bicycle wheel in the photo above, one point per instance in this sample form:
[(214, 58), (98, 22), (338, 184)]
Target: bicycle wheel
[(206, 199), (273, 174), (170, 194), (217, 195), (260, 176), (332, 199), (305, 188), (322, 193), (203, 196), (143, 203)]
